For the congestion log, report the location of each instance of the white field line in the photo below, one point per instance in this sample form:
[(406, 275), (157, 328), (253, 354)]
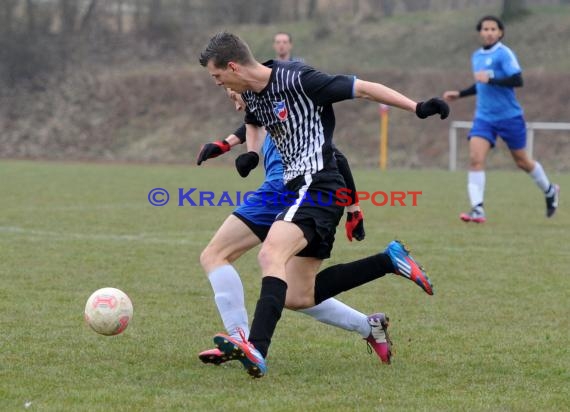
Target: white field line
[(42, 235), (80, 207)]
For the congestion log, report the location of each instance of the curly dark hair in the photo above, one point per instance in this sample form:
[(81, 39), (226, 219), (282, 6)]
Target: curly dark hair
[(491, 18)]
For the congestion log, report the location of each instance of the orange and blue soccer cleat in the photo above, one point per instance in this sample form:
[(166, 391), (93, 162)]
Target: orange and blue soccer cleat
[(243, 351), (379, 340), (406, 266)]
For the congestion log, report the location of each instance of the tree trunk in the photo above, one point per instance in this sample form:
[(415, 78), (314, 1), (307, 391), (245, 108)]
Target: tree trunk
[(68, 10), (388, 7), (31, 16), (295, 13), (120, 16), (311, 9), (137, 4), (154, 13), (269, 11), (355, 7), (6, 15), (415, 5), (513, 9), (88, 16), (186, 14)]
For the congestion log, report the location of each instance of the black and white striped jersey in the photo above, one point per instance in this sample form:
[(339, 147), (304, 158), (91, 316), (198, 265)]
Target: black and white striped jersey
[(296, 109)]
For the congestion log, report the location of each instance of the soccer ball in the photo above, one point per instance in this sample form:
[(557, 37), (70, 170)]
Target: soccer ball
[(108, 311)]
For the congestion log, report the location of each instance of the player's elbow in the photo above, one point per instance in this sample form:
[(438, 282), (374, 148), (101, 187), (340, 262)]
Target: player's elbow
[(361, 89)]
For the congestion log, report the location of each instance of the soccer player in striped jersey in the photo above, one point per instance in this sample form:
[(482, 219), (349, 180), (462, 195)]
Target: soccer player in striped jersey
[(283, 47), (246, 228), (498, 113), (294, 103)]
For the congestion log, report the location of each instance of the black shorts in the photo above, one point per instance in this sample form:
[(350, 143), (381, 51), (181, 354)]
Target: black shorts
[(315, 210)]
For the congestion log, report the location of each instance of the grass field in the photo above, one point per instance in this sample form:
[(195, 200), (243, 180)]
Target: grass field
[(494, 337)]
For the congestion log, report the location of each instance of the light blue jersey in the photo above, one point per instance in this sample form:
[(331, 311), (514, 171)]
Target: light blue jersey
[(496, 102), (263, 205), (271, 160)]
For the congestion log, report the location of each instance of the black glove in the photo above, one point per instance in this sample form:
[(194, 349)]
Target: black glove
[(246, 162), (355, 225), (211, 150), (431, 107)]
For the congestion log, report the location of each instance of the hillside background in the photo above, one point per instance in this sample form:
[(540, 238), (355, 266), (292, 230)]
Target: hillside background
[(119, 80)]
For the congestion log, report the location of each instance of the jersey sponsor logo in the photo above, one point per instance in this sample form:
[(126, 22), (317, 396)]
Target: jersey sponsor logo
[(488, 61), (280, 110)]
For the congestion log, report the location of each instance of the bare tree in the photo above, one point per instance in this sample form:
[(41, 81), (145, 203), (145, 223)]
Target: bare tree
[(154, 13), (31, 16), (295, 10), (6, 15), (137, 17), (513, 9), (269, 11), (415, 5), (355, 7), (68, 13), (88, 16), (120, 16), (311, 9), (186, 12), (387, 6)]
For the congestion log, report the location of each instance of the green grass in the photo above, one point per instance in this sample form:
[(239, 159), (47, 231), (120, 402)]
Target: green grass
[(494, 336)]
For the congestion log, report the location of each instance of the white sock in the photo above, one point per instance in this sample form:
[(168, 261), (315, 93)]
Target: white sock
[(476, 186), (540, 177), (229, 297), (335, 313)]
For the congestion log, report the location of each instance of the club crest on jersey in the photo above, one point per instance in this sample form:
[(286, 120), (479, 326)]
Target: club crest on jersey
[(280, 110)]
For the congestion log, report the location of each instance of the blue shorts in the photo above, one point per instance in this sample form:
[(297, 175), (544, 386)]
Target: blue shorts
[(259, 209), (512, 131)]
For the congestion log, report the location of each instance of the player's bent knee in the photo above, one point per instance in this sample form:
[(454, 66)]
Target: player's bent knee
[(205, 258), (211, 258), (268, 256), (476, 163)]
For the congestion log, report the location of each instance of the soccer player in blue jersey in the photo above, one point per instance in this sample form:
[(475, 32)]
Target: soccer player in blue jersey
[(293, 102), (246, 228), (498, 113)]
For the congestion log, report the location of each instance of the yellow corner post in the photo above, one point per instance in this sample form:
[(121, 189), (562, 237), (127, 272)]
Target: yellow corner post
[(383, 135)]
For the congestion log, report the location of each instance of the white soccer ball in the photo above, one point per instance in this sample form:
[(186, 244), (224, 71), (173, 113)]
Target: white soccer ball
[(108, 311)]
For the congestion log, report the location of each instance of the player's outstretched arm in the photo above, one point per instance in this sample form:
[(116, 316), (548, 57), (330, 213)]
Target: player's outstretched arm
[(217, 148), (382, 94)]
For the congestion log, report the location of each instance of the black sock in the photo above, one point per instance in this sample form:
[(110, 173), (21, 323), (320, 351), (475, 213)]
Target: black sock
[(267, 313), (340, 278)]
